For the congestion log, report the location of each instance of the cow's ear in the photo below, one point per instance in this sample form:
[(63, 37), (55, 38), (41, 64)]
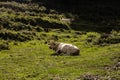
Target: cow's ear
[(55, 43)]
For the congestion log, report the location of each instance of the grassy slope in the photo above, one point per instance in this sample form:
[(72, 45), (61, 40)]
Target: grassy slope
[(32, 60)]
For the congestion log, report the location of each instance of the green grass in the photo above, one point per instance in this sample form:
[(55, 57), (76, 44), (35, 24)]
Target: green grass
[(32, 61)]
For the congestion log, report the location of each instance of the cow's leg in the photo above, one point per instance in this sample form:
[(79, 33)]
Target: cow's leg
[(68, 51), (58, 52)]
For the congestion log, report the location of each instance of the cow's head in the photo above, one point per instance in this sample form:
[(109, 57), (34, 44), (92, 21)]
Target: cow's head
[(53, 45)]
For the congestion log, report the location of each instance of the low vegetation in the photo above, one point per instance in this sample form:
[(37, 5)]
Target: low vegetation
[(25, 27)]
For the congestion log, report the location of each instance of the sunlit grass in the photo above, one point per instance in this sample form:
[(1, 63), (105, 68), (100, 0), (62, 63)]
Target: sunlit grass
[(32, 60)]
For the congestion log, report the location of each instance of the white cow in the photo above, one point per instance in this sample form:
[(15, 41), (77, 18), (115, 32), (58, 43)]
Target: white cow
[(64, 48)]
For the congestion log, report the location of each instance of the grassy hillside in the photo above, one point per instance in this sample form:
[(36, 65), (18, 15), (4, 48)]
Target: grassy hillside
[(25, 27)]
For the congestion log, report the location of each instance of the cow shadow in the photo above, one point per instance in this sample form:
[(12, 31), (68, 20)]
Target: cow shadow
[(62, 54), (56, 54)]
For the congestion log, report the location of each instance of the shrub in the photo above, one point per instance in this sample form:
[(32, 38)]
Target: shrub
[(17, 36), (15, 43), (39, 29), (111, 38), (20, 26), (4, 46), (92, 37)]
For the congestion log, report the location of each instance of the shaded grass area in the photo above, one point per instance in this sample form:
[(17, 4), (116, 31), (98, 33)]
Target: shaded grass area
[(100, 18)]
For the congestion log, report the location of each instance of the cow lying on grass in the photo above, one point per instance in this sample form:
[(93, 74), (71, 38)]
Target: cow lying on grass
[(64, 49)]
